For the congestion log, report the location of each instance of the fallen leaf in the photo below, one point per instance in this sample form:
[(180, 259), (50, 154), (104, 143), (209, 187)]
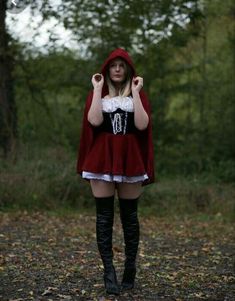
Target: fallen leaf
[(49, 291)]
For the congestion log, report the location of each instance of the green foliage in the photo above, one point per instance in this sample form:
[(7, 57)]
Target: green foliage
[(187, 75), (45, 178), (198, 195), (185, 54), (196, 101), (42, 178), (50, 95)]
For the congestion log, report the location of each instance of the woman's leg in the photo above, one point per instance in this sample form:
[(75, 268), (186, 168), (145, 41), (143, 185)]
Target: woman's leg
[(129, 190), (102, 188), (104, 197), (128, 204)]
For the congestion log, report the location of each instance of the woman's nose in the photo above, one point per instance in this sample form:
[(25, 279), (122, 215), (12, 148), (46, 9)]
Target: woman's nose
[(117, 68)]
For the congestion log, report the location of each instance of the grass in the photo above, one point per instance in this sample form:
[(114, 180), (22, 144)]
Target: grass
[(46, 179)]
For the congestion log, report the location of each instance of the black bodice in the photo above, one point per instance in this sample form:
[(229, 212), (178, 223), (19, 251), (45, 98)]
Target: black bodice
[(118, 122)]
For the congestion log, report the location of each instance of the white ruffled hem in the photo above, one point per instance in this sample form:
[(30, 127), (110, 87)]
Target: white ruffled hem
[(113, 178)]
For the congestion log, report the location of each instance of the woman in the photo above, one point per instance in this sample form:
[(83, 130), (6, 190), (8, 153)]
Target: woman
[(116, 154)]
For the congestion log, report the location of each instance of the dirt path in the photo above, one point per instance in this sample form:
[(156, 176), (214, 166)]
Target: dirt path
[(49, 257)]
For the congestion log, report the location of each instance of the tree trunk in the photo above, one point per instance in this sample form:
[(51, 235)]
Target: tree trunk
[(8, 114), (203, 127)]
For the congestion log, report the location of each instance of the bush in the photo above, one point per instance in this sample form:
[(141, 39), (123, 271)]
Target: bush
[(45, 178)]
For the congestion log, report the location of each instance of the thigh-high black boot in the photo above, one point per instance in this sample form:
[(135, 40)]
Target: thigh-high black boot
[(130, 224), (104, 230)]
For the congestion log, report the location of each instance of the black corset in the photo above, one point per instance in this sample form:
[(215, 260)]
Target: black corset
[(118, 122)]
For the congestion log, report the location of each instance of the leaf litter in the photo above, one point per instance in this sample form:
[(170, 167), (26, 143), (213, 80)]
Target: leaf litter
[(50, 257)]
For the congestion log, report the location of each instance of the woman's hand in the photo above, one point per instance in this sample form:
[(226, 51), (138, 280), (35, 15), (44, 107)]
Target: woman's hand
[(97, 81), (137, 84), (95, 114)]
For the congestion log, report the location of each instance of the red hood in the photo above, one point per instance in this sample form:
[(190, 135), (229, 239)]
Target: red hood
[(119, 52)]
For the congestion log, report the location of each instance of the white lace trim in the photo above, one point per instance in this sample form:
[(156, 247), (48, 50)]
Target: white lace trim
[(118, 124), (113, 178), (118, 102)]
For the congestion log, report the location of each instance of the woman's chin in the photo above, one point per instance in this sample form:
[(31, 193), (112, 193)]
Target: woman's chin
[(117, 80)]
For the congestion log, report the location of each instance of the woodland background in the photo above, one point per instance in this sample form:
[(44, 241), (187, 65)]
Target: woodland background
[(184, 50)]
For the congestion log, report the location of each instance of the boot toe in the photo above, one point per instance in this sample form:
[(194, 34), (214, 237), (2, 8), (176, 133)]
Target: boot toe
[(127, 286), (113, 290)]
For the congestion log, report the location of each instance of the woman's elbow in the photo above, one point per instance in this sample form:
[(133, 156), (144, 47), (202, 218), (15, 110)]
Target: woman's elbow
[(142, 127), (143, 124), (94, 120)]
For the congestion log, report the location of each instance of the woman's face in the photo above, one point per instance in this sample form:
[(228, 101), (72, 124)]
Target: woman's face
[(117, 71)]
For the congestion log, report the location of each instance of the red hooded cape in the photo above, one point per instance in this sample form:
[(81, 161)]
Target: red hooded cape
[(144, 137)]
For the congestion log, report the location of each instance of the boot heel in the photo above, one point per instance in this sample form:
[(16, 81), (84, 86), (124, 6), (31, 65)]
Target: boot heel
[(110, 282), (128, 280)]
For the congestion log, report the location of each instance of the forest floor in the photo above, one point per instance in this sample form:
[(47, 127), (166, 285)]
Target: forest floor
[(47, 256)]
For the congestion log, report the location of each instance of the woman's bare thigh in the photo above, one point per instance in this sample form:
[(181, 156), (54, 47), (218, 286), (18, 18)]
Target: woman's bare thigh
[(102, 188), (129, 190)]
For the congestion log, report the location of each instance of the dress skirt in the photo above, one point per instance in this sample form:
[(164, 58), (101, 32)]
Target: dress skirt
[(115, 157)]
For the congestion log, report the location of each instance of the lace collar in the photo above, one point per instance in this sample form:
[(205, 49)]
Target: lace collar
[(117, 102)]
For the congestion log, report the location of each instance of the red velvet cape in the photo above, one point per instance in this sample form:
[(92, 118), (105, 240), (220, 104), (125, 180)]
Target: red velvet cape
[(144, 137)]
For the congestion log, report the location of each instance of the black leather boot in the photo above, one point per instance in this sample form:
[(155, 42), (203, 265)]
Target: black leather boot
[(130, 224), (104, 230)]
